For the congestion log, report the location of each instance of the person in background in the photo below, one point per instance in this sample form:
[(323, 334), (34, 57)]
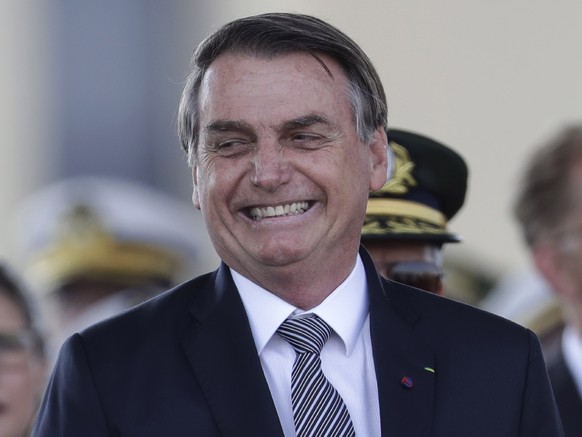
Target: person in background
[(406, 220), (92, 247), (23, 367), (548, 208), (284, 122)]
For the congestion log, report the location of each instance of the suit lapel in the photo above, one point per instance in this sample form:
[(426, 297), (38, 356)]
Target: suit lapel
[(404, 364), (222, 353)]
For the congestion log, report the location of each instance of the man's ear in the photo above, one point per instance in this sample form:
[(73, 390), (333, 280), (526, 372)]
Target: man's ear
[(195, 192), (378, 159), (547, 260)]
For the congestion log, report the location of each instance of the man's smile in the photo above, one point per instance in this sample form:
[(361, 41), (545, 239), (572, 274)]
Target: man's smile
[(258, 213)]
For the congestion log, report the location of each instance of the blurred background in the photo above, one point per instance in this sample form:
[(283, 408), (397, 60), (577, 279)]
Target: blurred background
[(92, 87)]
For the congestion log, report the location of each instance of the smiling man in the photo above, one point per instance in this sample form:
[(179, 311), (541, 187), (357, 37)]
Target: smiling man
[(294, 174), (284, 121)]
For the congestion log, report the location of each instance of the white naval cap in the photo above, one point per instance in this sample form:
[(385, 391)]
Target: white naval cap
[(102, 226)]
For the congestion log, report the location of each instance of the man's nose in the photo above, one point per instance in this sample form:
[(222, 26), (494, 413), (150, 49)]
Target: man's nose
[(270, 166)]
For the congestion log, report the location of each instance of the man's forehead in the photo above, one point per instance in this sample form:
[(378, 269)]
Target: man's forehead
[(234, 83), (231, 63)]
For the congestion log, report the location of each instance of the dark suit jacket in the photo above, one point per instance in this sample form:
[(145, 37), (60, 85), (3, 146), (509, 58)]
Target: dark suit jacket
[(566, 392), (185, 364)]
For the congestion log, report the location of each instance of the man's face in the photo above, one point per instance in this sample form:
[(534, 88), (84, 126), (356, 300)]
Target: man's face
[(569, 246), (21, 372), (280, 174), (558, 255)]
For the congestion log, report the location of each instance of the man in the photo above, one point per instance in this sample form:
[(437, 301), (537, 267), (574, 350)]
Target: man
[(406, 220), (549, 209), (284, 121)]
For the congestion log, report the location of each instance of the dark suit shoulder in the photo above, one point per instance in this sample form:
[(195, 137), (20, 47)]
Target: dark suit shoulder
[(157, 313), (482, 363), (133, 374), (441, 319), (123, 342)]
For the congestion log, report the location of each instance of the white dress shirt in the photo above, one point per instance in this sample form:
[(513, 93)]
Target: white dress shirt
[(572, 349), (347, 358)]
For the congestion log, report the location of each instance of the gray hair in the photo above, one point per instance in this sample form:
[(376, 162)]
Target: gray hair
[(275, 34), (545, 197)]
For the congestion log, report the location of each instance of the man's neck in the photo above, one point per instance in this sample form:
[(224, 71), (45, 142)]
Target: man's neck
[(303, 286)]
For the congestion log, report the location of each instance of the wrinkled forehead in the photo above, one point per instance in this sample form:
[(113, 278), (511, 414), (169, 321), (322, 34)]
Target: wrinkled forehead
[(235, 79), (327, 64)]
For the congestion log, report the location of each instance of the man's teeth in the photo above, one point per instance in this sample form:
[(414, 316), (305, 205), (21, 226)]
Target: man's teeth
[(279, 210)]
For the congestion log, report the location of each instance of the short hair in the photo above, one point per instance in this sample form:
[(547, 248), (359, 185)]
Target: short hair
[(545, 196), (275, 34), (17, 294)]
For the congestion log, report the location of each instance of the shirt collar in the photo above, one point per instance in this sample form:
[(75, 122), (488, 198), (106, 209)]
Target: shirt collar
[(345, 309)]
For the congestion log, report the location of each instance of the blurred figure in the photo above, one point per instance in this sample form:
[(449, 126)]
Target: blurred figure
[(525, 297), (548, 208), (97, 246), (22, 359), (406, 221)]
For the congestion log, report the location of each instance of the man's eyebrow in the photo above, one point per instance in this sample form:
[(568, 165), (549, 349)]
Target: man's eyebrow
[(228, 126), (304, 121), (242, 126)]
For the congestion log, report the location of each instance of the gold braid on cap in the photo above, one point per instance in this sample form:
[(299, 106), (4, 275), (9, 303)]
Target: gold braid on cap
[(83, 247), (399, 216), (402, 172)]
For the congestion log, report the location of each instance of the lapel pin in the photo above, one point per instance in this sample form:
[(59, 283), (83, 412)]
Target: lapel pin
[(406, 382), (429, 369)]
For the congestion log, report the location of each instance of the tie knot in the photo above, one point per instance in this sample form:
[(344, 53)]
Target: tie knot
[(306, 334)]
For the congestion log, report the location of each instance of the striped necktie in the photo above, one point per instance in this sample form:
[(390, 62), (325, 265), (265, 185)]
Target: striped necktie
[(318, 409)]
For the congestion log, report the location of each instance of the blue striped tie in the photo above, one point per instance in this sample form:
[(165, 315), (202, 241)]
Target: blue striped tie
[(318, 409)]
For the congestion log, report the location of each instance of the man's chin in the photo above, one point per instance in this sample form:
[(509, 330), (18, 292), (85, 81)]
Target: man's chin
[(281, 256)]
